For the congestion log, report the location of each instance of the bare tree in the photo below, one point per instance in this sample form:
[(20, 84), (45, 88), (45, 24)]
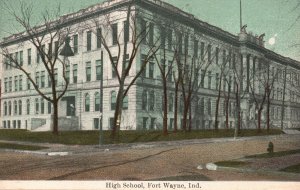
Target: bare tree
[(135, 33), (261, 95), (51, 33)]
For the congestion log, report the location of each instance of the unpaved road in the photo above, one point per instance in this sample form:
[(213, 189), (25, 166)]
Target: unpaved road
[(143, 163)]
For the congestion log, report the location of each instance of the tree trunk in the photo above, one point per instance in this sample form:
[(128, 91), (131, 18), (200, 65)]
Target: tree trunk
[(185, 115), (268, 113), (176, 107), (118, 112), (165, 117), (259, 120), (190, 118), (217, 107), (55, 118), (227, 113)]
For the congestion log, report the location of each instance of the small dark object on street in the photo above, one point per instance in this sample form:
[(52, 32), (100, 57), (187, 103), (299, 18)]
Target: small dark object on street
[(270, 148)]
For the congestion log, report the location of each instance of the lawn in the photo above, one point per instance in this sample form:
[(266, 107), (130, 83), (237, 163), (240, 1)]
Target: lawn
[(274, 154), (92, 137), (292, 169), (233, 164), (20, 147)]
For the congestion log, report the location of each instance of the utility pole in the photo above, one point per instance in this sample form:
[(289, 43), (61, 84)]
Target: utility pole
[(101, 136)]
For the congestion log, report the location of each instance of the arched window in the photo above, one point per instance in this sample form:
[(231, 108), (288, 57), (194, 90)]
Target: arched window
[(87, 102), (5, 108), (97, 101), (20, 107), (144, 100), (125, 103), (9, 108), (15, 107), (151, 101), (28, 106), (113, 99)]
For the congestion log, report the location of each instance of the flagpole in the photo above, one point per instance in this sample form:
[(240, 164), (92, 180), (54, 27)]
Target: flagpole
[(241, 24)]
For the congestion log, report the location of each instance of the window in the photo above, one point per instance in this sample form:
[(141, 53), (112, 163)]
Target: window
[(151, 33), (42, 106), (209, 106), (21, 58), (5, 108), (88, 41), (75, 43), (49, 81), (143, 31), (217, 55), (14, 124), (15, 108), (98, 37), (179, 36), (37, 79), (16, 83), (209, 80), (97, 101), (55, 77), (98, 70), (209, 52), (8, 124), (37, 106), (17, 58), (49, 107), (153, 122), (145, 120), (5, 85), (88, 71), (125, 103), (224, 57), (151, 100), (170, 71), (162, 37), (9, 108), (28, 83), (217, 81), (20, 83), (169, 39), (143, 60), (75, 73), (28, 106), (126, 31), (196, 44), (10, 84), (42, 79), (171, 102), (4, 124), (113, 99), (202, 78), (181, 104), (202, 50), (144, 100), (186, 45), (151, 70), (19, 124), (113, 71), (38, 57), (96, 123), (20, 107), (87, 103), (114, 28), (68, 73)]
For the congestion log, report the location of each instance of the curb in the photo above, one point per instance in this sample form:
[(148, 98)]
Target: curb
[(38, 152)]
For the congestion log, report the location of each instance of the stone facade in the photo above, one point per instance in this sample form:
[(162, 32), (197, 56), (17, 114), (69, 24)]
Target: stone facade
[(21, 107)]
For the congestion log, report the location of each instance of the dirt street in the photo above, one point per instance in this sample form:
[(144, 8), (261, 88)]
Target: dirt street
[(142, 163)]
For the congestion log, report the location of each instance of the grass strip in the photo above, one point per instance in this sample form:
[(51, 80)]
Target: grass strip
[(274, 154), (233, 164), (20, 146), (92, 137), (292, 169)]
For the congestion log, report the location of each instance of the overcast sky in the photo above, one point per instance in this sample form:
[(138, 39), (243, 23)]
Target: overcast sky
[(273, 17)]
